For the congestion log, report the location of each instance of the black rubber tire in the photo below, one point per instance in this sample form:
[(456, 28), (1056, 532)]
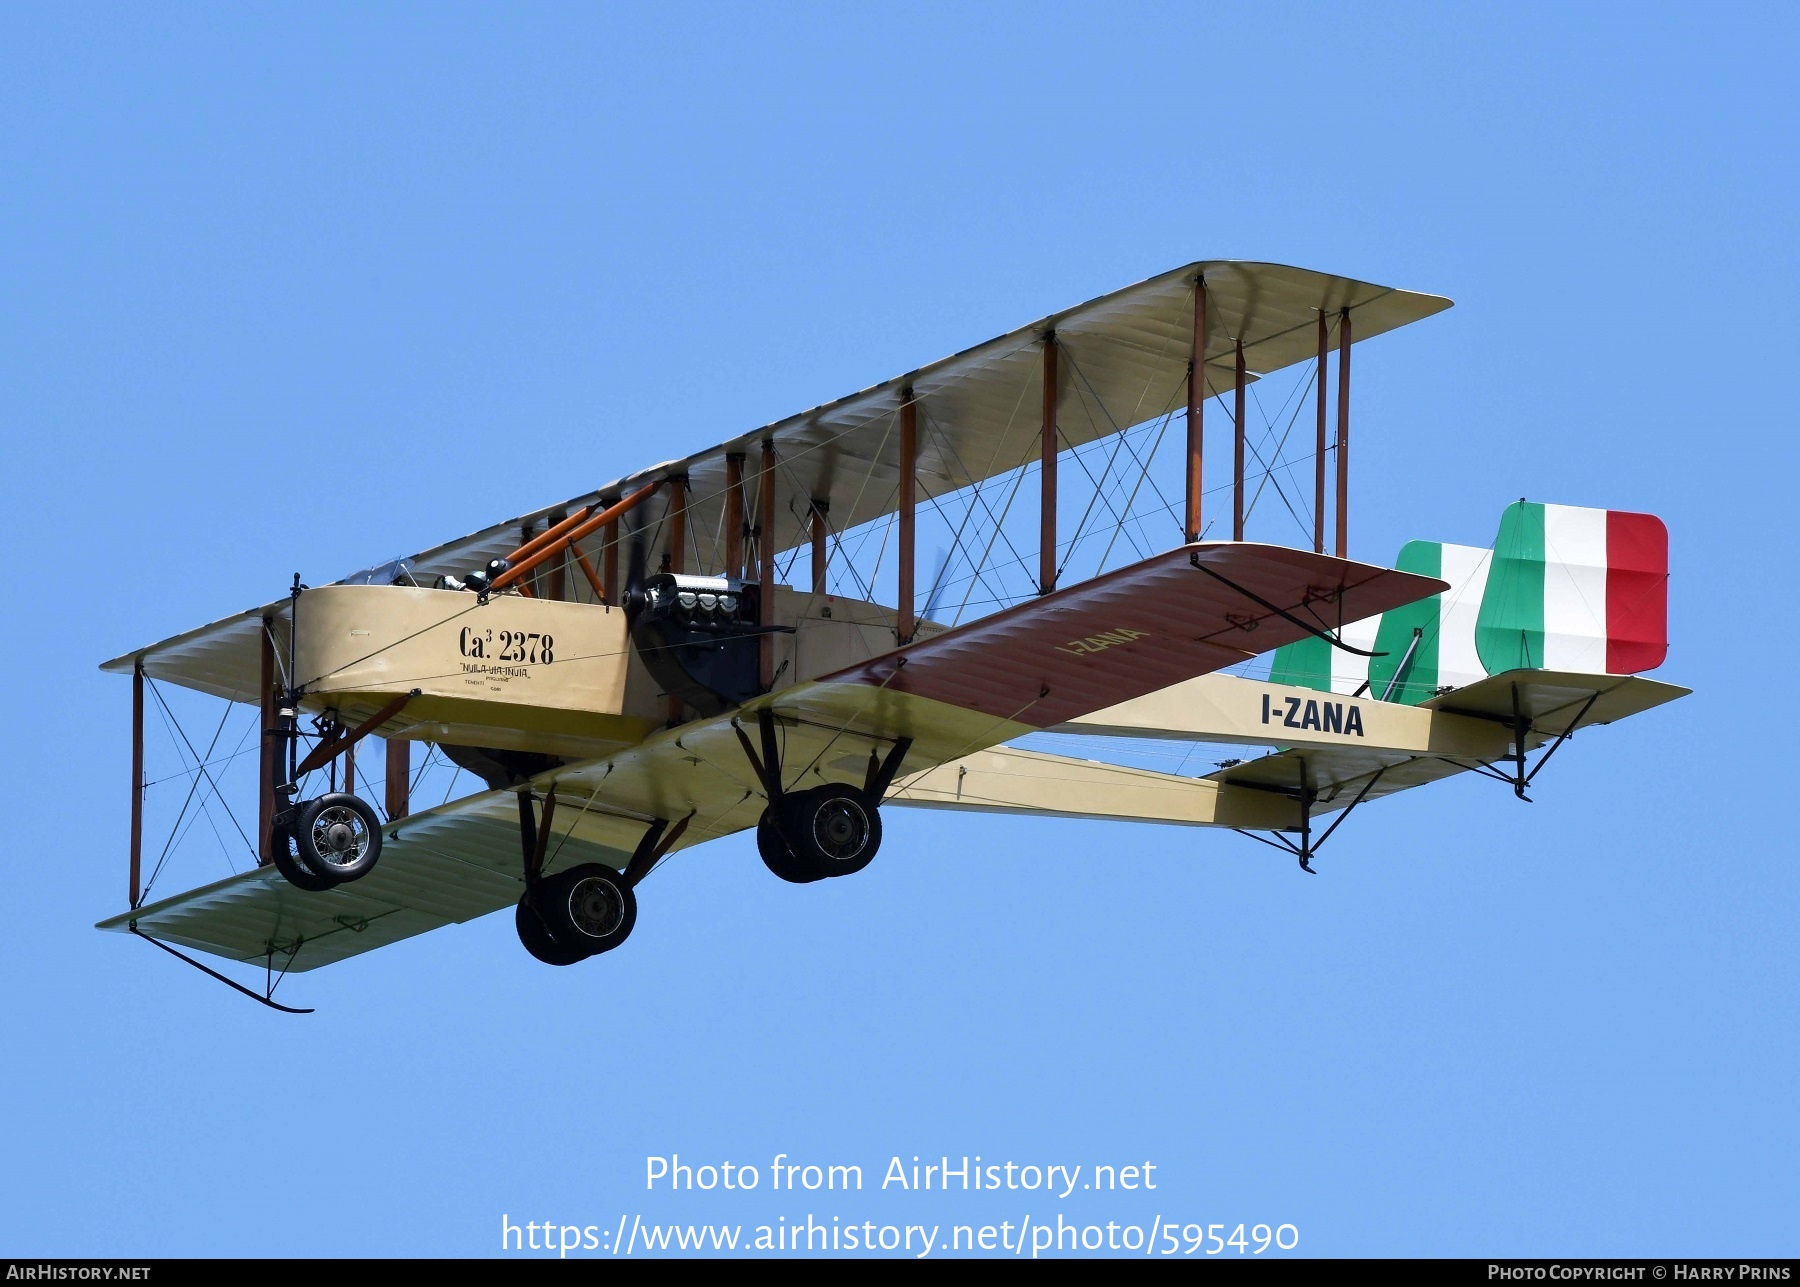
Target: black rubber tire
[(589, 909), (833, 829), (778, 858), (328, 819), (535, 935), (287, 861)]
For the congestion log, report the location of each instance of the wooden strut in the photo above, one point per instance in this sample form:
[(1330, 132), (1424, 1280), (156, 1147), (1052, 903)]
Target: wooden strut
[(1319, 446), (765, 557), (1047, 474), (905, 623), (734, 514), (137, 780), (1237, 472), (1196, 413), (535, 543), (587, 570), (592, 523), (325, 752), (1343, 436), (399, 779), (267, 772)]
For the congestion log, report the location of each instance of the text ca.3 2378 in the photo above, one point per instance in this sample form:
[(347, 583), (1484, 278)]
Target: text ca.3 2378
[(525, 646)]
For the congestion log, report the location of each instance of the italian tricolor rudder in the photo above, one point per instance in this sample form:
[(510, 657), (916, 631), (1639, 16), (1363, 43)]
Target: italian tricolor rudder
[(1576, 589)]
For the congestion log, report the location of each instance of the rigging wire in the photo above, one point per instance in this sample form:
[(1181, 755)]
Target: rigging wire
[(198, 758), (193, 786)]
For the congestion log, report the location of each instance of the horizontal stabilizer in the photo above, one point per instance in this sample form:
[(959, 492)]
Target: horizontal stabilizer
[(1556, 702), (1553, 704)]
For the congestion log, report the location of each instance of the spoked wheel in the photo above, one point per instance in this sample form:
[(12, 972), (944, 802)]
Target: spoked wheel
[(338, 837), (778, 858), (588, 909), (535, 935), (833, 829), (287, 861)]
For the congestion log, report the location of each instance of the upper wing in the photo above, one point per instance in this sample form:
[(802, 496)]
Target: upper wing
[(1124, 360)]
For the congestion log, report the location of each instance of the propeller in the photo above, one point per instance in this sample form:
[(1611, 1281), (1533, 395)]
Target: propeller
[(938, 586)]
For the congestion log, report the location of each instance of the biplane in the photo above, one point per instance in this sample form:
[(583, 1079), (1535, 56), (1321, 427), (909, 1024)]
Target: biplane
[(741, 640)]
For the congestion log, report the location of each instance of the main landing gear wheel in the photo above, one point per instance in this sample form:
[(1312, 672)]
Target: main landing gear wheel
[(831, 830), (778, 858), (535, 935), (338, 837), (287, 862), (576, 914)]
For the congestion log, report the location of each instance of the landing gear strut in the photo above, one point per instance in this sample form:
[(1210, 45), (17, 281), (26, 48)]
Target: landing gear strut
[(585, 910), (833, 829), (1306, 797)]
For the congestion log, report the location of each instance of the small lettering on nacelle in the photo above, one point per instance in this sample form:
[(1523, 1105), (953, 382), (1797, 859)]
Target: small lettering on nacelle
[(1321, 715)]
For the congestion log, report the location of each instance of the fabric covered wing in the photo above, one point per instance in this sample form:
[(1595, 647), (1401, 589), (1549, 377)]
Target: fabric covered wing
[(1188, 612)]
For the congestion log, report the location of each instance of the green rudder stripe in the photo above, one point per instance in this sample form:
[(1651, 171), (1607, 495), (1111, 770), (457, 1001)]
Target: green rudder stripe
[(1420, 678), (1509, 631)]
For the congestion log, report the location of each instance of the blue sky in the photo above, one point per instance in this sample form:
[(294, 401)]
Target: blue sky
[(301, 289)]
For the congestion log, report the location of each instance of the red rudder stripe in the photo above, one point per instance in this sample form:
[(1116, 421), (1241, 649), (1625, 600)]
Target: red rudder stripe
[(1637, 592)]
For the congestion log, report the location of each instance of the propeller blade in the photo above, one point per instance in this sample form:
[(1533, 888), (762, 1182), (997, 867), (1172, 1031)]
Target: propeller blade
[(938, 586), (633, 598)]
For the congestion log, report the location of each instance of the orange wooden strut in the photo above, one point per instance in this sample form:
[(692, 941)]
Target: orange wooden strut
[(325, 752), (587, 570), (588, 525), (535, 543)]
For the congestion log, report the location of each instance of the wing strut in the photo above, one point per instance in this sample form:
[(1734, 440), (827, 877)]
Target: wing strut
[(1308, 796), (1521, 726)]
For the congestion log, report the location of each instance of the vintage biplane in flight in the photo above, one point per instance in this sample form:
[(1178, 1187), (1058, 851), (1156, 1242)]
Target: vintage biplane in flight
[(638, 669)]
